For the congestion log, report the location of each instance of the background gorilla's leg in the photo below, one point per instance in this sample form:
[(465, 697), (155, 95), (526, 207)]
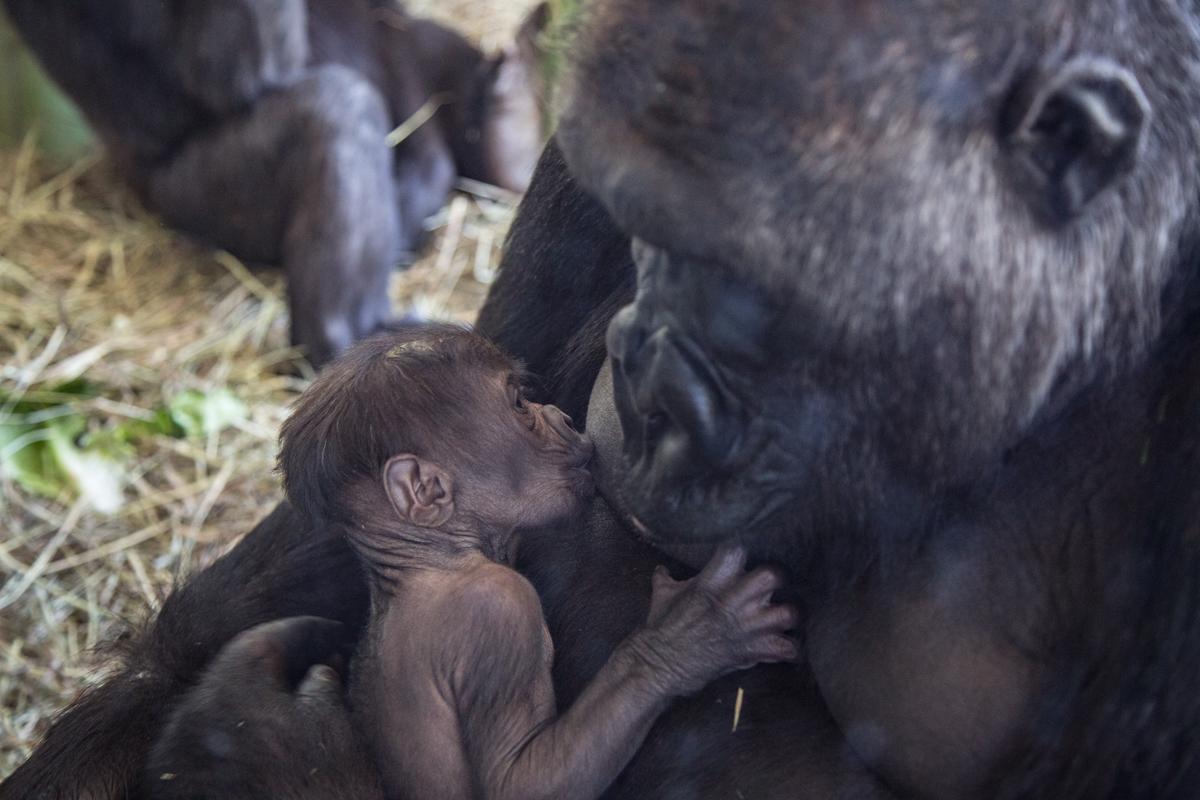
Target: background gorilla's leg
[(567, 266), (304, 178), (283, 568), (424, 170)]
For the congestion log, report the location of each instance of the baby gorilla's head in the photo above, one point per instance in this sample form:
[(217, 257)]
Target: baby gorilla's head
[(427, 432)]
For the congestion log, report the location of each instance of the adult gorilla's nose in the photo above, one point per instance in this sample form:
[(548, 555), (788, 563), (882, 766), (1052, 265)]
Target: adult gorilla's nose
[(678, 420), (627, 336)]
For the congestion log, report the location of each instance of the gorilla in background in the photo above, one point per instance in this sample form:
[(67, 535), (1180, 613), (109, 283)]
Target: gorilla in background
[(261, 125), (904, 298)]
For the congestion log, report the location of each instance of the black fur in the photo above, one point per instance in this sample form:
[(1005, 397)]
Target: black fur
[(567, 287)]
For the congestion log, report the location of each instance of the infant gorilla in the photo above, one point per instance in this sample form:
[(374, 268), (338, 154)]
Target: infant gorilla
[(424, 448)]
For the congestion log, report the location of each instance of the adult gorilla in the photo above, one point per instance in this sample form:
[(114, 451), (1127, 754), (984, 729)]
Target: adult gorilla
[(915, 317)]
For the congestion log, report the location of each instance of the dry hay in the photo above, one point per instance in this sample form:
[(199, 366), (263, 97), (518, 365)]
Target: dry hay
[(94, 289), (491, 23)]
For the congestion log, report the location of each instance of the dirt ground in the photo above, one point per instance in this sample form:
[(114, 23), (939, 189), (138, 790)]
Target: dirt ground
[(157, 371)]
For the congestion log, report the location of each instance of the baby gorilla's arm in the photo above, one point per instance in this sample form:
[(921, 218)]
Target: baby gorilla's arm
[(517, 747)]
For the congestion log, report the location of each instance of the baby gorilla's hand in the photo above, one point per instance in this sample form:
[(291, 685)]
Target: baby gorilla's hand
[(716, 623)]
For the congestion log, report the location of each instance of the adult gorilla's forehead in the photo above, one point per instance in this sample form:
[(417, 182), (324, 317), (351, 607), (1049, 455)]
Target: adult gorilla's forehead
[(713, 124)]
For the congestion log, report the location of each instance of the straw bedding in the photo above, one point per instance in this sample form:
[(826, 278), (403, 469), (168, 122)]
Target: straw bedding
[(156, 371)]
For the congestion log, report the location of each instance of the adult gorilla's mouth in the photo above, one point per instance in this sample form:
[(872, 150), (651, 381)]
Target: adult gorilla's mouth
[(692, 449), (706, 511)]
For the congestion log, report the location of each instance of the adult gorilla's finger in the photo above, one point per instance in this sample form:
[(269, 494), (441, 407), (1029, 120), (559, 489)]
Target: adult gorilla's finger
[(282, 651)]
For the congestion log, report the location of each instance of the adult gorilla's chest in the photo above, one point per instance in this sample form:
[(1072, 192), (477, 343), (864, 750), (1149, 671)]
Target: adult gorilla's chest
[(594, 580), (1046, 555), (918, 686)]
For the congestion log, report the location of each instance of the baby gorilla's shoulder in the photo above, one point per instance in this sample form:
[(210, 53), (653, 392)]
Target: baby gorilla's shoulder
[(491, 599), (489, 623)]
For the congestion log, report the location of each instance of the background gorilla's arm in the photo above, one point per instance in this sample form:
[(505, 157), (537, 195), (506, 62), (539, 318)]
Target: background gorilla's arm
[(231, 51), (111, 56), (566, 271), (97, 748)]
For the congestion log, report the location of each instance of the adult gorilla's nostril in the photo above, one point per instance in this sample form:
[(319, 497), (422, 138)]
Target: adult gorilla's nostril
[(626, 339), (691, 394)]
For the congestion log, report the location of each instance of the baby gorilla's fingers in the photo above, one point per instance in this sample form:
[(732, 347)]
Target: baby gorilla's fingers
[(723, 568), (662, 578), (280, 653), (772, 649), (774, 618), (321, 685), (757, 587)]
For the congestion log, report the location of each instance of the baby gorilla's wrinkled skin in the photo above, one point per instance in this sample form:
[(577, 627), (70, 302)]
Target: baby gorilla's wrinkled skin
[(453, 680)]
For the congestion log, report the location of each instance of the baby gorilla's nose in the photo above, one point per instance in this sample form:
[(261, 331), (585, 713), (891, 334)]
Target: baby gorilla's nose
[(559, 422)]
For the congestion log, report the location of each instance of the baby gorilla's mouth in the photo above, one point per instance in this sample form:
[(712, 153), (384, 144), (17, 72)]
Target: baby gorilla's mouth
[(581, 455)]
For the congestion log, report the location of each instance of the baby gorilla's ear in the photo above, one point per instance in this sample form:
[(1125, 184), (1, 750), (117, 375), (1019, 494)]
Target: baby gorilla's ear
[(421, 493)]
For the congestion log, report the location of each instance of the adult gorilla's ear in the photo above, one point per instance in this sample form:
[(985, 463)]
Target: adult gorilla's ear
[(1074, 132), (421, 492)]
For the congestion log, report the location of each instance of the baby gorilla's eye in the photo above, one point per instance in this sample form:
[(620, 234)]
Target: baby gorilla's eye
[(524, 411), (516, 398)]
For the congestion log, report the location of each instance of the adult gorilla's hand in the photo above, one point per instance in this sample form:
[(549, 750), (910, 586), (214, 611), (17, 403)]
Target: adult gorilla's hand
[(268, 719)]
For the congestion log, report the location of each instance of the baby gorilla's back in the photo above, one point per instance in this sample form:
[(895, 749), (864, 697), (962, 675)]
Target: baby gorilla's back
[(438, 651)]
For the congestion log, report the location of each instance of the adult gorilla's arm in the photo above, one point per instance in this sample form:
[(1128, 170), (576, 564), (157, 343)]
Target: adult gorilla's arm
[(98, 747), (566, 271)]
